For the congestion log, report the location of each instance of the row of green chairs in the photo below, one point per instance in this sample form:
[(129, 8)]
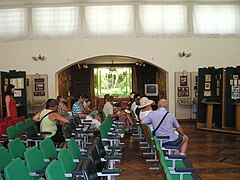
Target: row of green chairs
[(36, 161), (110, 132), (168, 164), (19, 129), (174, 168)]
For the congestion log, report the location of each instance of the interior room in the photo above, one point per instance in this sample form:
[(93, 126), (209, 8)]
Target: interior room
[(184, 51)]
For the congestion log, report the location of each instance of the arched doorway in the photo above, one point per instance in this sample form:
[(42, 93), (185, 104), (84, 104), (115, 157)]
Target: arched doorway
[(79, 79)]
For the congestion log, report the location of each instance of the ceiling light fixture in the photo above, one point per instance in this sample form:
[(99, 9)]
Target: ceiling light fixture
[(40, 57), (184, 54), (140, 63), (112, 68)]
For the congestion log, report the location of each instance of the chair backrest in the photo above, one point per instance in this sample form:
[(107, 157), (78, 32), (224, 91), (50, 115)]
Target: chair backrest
[(66, 131), (21, 118), (31, 132), (48, 149), (66, 161), (6, 119), (16, 170), (74, 149), (12, 122), (76, 121), (16, 148), (3, 127), (33, 159), (29, 122), (72, 126), (5, 158), (54, 171), (164, 169), (21, 127), (93, 155), (99, 146), (12, 132), (89, 170), (148, 135)]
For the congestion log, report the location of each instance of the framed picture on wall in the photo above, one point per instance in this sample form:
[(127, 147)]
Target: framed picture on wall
[(235, 76), (218, 83), (196, 80), (207, 86), (183, 80), (196, 93), (218, 91), (208, 77), (180, 94), (207, 93), (17, 93)]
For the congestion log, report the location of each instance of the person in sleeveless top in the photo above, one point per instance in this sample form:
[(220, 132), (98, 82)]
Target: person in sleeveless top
[(11, 105), (51, 121)]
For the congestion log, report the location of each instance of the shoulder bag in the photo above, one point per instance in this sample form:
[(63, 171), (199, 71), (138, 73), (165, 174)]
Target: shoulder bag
[(154, 131)]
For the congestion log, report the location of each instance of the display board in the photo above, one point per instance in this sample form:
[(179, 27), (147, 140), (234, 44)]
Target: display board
[(183, 95), (210, 95), (37, 89), (194, 93), (232, 95)]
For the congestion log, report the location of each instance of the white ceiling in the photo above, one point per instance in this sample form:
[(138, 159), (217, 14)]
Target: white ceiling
[(42, 2)]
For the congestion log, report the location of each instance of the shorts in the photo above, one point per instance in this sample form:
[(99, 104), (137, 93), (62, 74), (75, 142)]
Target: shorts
[(177, 142)]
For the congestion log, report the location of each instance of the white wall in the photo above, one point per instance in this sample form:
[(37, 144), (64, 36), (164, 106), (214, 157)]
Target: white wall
[(218, 52)]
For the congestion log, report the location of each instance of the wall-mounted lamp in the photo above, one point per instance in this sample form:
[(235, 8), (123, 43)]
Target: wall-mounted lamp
[(184, 54), (39, 58), (140, 63), (82, 66)]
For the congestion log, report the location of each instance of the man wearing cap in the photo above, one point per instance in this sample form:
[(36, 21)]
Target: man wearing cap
[(167, 127)]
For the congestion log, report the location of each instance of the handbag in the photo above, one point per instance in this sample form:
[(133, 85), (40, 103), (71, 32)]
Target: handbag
[(154, 131)]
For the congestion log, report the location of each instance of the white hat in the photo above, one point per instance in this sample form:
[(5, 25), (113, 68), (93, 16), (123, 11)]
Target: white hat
[(144, 101)]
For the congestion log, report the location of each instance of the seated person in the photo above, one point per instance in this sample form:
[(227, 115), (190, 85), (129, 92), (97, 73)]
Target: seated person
[(78, 110), (145, 108), (116, 112), (87, 106), (49, 120), (135, 104), (167, 127), (62, 108)]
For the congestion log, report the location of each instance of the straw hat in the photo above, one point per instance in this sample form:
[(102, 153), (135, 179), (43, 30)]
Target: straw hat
[(144, 101)]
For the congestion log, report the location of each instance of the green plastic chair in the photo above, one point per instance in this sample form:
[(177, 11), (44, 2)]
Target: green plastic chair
[(54, 171), (74, 150), (170, 163), (21, 127), (5, 159), (16, 170), (16, 148), (29, 122), (89, 170), (70, 168), (12, 132), (48, 149), (34, 161)]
